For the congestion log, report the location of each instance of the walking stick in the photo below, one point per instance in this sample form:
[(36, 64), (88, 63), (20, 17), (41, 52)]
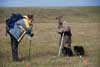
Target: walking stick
[(29, 49), (61, 44)]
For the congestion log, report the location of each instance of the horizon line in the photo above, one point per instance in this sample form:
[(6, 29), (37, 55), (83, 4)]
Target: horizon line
[(56, 6)]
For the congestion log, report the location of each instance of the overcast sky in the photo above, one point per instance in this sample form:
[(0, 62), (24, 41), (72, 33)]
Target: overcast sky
[(28, 3)]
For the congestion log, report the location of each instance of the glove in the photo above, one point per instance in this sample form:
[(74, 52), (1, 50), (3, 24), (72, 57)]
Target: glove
[(31, 35)]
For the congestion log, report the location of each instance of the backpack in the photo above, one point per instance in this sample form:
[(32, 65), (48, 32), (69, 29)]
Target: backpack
[(12, 19), (10, 22)]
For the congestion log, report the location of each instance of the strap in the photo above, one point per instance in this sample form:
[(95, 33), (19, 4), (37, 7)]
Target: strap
[(22, 33)]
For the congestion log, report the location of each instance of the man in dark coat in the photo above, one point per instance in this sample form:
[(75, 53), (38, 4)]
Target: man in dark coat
[(64, 28)]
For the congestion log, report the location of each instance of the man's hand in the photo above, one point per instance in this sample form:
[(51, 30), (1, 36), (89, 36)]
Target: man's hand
[(32, 34), (60, 30)]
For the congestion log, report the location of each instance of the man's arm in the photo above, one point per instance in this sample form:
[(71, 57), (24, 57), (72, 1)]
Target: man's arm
[(29, 30)]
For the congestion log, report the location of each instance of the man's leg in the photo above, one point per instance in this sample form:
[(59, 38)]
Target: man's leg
[(67, 41), (63, 48), (67, 45), (14, 46)]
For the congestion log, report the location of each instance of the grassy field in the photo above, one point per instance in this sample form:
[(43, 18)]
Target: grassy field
[(85, 29)]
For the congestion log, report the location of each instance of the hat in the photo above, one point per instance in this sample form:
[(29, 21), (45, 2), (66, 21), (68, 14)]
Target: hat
[(30, 16), (59, 17)]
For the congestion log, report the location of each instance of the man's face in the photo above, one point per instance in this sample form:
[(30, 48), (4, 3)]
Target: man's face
[(59, 18), (60, 21), (30, 21)]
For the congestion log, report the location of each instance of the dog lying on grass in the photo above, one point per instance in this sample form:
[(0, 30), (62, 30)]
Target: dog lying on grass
[(79, 50)]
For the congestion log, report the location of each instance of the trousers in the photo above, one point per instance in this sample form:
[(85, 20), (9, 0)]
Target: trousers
[(14, 47), (66, 40)]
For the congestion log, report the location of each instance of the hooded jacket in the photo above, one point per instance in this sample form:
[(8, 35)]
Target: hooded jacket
[(65, 27), (20, 29)]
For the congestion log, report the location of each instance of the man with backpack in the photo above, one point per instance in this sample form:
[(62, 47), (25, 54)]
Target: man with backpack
[(65, 32), (17, 27)]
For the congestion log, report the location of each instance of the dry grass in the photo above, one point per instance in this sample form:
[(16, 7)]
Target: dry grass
[(45, 47)]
